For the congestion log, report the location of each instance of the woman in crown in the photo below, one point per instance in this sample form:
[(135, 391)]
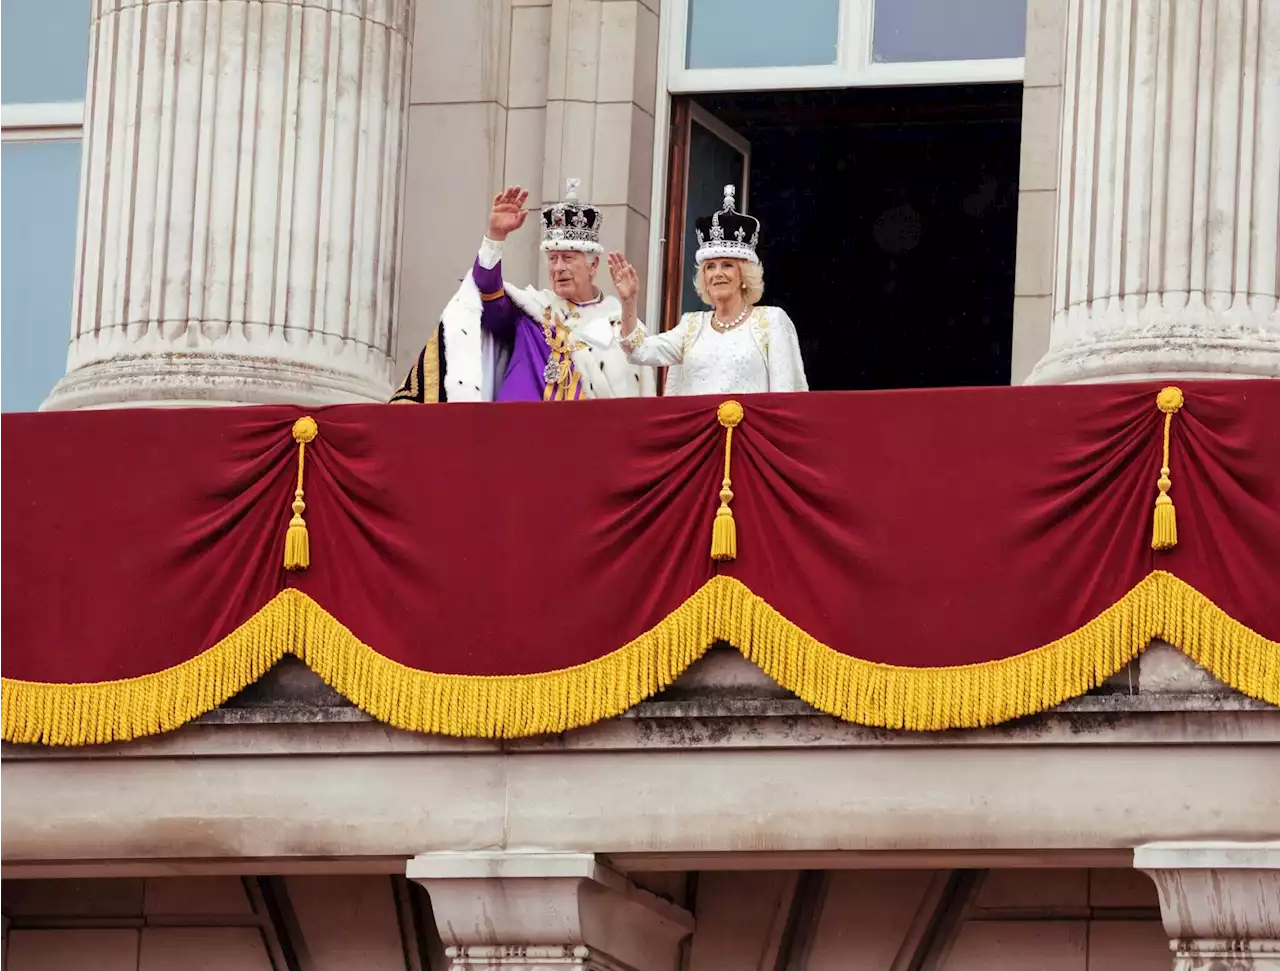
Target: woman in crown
[(736, 347)]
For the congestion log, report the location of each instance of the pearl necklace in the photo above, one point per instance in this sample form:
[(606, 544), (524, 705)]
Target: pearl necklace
[(724, 328)]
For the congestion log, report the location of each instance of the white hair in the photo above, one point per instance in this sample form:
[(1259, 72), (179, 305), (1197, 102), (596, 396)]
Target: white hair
[(752, 280)]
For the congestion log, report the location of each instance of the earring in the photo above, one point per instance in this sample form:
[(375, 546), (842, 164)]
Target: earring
[(742, 286)]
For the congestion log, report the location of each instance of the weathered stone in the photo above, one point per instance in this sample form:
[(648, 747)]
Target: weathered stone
[(243, 165), (535, 911), (1169, 202), (1220, 902)]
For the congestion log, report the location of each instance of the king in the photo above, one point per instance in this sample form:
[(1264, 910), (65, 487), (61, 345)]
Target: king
[(496, 342)]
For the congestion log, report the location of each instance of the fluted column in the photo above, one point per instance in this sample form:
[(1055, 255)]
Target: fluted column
[(1169, 192), (240, 202)]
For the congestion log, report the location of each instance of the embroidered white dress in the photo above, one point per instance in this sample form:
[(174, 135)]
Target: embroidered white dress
[(760, 354)]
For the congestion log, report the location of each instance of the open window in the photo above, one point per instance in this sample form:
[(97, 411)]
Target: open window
[(708, 156), (878, 143)]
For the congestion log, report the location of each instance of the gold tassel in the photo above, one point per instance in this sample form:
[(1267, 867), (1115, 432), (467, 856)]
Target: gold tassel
[(724, 532), (297, 545), (1164, 528)]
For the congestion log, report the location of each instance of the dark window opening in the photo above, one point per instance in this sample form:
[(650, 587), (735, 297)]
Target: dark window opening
[(889, 224)]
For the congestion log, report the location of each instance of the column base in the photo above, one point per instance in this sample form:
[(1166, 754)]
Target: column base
[(209, 378), (1123, 344)]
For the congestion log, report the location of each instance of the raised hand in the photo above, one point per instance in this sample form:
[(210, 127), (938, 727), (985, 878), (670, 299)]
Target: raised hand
[(508, 213), (625, 280)]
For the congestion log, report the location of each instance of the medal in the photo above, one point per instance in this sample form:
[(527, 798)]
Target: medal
[(554, 372)]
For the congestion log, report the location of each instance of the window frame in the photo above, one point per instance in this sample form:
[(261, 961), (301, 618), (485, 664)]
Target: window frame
[(49, 121), (854, 65), (45, 123)]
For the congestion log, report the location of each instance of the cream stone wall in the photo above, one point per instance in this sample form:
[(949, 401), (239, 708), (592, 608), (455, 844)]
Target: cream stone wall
[(197, 924), (219, 923), (873, 920), (1038, 184), (805, 920), (526, 92)]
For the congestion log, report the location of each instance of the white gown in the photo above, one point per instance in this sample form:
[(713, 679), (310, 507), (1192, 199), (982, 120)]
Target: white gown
[(760, 354)]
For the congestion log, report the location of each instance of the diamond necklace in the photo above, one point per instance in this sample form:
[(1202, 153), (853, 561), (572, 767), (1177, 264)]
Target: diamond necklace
[(725, 328)]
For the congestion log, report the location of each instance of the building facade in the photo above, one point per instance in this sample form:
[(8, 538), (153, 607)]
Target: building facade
[(275, 201)]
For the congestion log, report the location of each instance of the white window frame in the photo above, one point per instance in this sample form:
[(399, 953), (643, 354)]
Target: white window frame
[(854, 67), (52, 121)]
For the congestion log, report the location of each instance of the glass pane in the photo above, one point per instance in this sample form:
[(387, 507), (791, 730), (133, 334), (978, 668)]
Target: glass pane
[(762, 33), (43, 50), (38, 197), (949, 30), (713, 164)]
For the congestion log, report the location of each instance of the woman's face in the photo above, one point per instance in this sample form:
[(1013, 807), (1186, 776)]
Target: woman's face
[(722, 278)]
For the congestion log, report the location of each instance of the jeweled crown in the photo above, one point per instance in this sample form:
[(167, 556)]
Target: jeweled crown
[(727, 233), (571, 224)]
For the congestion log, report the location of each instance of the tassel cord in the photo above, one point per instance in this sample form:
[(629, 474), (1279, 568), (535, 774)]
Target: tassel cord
[(1164, 526), (297, 542), (724, 533)]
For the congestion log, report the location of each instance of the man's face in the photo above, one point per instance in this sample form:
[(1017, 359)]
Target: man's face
[(572, 275)]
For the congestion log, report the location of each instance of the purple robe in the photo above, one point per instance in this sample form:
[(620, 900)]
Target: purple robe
[(524, 379)]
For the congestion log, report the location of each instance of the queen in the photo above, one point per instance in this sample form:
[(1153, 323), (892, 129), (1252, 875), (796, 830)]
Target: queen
[(737, 346)]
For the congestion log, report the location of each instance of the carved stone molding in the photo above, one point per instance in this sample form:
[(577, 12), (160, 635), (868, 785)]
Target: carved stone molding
[(1220, 902), (544, 912)]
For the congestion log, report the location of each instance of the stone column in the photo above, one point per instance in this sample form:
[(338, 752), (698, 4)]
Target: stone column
[(600, 105), (240, 202), (541, 911), (1169, 192), (1220, 903)]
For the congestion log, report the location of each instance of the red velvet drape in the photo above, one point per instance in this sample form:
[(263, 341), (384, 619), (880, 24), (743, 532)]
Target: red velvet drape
[(922, 528)]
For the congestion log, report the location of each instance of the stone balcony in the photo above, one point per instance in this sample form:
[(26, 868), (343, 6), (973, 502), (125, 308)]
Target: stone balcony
[(290, 772)]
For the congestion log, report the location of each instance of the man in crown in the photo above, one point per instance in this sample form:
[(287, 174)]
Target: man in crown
[(499, 343)]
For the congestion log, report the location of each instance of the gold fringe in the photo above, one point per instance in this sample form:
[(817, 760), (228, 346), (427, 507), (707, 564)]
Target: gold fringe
[(1164, 526), (724, 531), (968, 696), (297, 544), (500, 706), (919, 699), (116, 711)]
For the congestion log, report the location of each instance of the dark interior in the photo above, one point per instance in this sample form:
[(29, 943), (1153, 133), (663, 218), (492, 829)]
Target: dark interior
[(889, 219)]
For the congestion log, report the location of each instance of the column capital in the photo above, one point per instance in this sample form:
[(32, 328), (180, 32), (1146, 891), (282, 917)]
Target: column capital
[(539, 911), (1220, 902)]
